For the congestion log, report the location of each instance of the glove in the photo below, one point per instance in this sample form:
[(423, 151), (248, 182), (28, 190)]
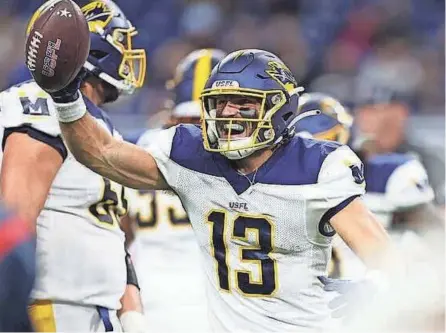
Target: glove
[(352, 295), (70, 93)]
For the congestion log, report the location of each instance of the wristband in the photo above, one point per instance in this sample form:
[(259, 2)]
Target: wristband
[(133, 321), (69, 112)]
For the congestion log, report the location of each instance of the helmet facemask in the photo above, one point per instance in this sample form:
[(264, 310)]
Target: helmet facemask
[(132, 69), (239, 137)]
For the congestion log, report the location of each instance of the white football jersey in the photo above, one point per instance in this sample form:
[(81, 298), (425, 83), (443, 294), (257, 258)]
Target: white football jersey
[(167, 259), (395, 182), (263, 245), (80, 246)]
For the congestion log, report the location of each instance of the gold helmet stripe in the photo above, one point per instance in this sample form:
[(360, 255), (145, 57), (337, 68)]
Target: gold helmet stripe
[(201, 73)]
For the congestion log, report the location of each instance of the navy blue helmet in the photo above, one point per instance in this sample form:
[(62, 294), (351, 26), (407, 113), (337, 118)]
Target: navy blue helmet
[(189, 80), (112, 57), (333, 123), (251, 74)]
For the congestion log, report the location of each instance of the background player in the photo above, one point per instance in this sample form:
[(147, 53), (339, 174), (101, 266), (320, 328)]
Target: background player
[(397, 190), (263, 203), (81, 260), (17, 272), (164, 247)]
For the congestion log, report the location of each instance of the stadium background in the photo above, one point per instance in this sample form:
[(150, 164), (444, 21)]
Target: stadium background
[(356, 50)]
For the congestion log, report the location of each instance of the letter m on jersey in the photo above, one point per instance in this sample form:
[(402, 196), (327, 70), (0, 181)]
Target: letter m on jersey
[(38, 108)]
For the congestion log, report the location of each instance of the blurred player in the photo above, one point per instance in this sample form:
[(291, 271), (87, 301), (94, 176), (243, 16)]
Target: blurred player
[(397, 191), (81, 259), (264, 203), (17, 272), (165, 248)]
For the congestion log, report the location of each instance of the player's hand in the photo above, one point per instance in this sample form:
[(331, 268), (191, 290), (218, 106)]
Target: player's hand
[(352, 294), (71, 92)]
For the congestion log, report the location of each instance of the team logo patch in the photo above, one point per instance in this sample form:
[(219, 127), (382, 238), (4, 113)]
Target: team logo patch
[(282, 74)]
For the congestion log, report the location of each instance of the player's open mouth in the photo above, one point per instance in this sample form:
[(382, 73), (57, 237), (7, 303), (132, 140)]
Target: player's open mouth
[(237, 129)]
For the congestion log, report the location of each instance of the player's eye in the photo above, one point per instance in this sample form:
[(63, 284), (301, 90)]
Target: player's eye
[(221, 101)]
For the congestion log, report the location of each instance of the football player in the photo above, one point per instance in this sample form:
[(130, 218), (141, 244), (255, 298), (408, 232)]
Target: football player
[(164, 246), (264, 203), (397, 191), (83, 270)]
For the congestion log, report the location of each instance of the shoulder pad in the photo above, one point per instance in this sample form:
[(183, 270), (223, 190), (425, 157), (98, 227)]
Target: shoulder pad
[(305, 157), (27, 104)]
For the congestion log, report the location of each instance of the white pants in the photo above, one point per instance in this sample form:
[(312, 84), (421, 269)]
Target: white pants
[(48, 316)]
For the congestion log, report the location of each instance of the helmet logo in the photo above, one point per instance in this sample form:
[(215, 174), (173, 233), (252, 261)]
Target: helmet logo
[(97, 14), (225, 84), (281, 73)]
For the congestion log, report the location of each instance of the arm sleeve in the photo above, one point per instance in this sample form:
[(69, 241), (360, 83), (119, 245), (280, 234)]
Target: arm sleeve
[(342, 178), (408, 186), (340, 181), (159, 145)]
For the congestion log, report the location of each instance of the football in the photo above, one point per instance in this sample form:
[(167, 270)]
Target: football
[(57, 44)]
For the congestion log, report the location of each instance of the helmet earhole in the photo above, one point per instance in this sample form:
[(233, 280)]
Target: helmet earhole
[(287, 116)]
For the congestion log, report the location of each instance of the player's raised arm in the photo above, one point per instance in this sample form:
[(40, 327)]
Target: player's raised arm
[(94, 147), (68, 52)]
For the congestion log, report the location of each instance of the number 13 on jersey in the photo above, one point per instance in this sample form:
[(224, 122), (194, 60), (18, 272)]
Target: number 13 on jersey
[(255, 235)]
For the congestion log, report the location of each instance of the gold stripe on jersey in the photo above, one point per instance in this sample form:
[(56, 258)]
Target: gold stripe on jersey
[(42, 316)]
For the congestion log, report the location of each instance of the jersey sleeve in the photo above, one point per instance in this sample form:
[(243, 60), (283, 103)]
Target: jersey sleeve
[(28, 109), (147, 138), (408, 186), (159, 144), (342, 178)]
